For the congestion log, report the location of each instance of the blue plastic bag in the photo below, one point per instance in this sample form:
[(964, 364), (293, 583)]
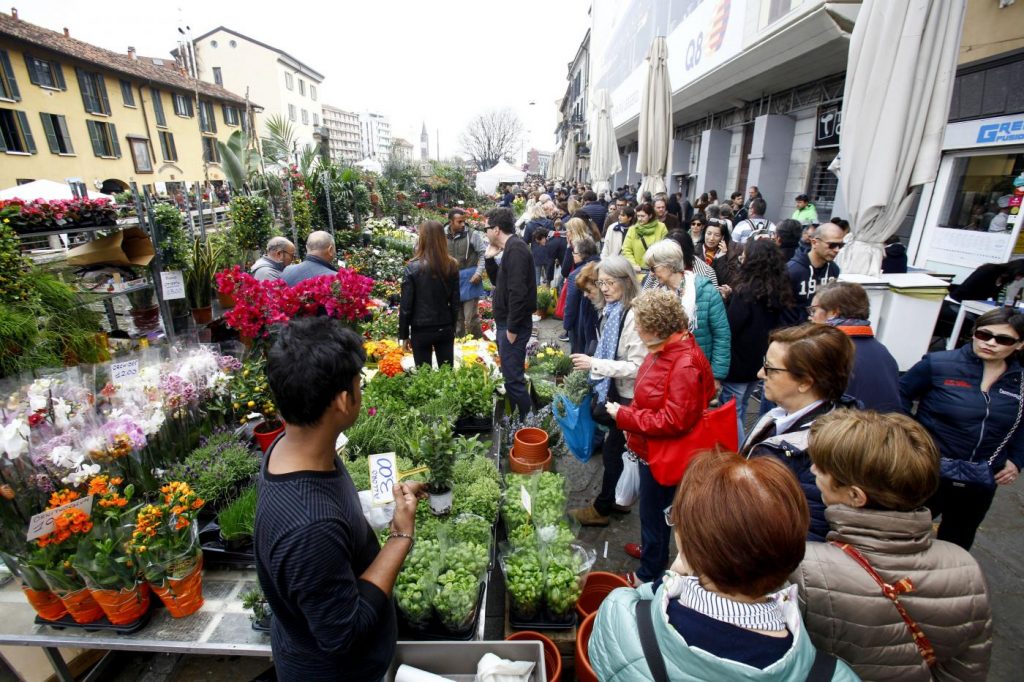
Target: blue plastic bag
[(577, 425)]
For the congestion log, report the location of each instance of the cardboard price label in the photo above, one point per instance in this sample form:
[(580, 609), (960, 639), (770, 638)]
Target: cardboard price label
[(383, 477), (173, 284), (527, 502), (126, 369), (42, 524)]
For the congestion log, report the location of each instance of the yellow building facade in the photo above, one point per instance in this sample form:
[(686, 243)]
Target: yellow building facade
[(72, 111)]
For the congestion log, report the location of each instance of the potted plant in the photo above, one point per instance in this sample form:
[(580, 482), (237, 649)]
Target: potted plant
[(255, 601), (545, 301), (144, 310), (199, 279), (433, 445), (250, 395), (237, 521)]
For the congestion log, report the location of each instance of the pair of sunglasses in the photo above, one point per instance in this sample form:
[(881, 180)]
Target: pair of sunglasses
[(1001, 339)]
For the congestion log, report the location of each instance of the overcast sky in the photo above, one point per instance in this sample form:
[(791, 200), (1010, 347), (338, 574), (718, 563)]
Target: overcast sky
[(439, 61)]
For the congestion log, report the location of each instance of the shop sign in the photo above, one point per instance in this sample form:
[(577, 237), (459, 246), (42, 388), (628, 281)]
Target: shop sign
[(830, 125), (984, 133)]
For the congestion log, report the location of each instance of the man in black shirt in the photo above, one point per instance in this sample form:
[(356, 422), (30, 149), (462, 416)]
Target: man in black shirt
[(326, 578), (515, 300)]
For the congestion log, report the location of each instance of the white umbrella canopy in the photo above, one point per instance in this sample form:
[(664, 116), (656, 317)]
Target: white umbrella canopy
[(895, 105), (569, 160), (604, 149), (655, 120), (46, 189), (371, 165), (555, 166)]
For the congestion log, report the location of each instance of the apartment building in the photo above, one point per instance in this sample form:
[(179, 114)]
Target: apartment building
[(344, 134)]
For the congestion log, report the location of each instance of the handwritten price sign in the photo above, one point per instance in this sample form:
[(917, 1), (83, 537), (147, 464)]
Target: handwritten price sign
[(42, 524), (119, 371), (383, 477), (173, 283)]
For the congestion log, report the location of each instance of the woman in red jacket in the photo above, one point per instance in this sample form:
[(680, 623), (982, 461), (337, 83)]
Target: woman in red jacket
[(673, 387)]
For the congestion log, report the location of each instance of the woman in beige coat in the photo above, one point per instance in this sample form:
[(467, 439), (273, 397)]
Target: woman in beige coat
[(874, 472)]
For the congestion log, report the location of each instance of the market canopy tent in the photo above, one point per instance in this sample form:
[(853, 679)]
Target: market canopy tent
[(895, 105), (503, 171), (371, 165), (655, 134), (45, 189)]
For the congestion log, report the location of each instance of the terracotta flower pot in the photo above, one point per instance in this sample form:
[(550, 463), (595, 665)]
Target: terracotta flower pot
[(266, 438), (584, 673), (226, 300), (531, 444), (203, 315), (185, 596), (521, 466), (598, 586), (552, 658), (46, 603), (123, 606)]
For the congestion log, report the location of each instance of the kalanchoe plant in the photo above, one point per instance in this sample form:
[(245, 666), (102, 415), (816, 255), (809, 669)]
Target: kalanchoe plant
[(103, 557)]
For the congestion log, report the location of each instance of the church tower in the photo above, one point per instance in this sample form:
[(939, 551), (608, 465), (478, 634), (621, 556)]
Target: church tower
[(424, 144)]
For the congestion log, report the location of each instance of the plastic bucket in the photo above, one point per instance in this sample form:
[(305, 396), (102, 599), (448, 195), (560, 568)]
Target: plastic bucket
[(598, 586), (552, 659), (584, 673)]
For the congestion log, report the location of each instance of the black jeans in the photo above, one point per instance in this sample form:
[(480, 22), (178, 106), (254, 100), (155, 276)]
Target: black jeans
[(962, 509), (433, 340), (611, 455), (513, 368), (655, 534)]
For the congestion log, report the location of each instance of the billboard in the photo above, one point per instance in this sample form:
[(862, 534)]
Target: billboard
[(701, 35)]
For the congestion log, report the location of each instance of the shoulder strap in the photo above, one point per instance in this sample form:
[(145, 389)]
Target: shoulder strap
[(893, 592), (649, 641), (642, 240), (1016, 423), (823, 668)]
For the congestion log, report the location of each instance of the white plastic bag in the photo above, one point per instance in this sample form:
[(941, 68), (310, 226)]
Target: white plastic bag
[(627, 490)]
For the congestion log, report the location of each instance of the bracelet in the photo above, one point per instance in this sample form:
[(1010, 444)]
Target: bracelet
[(394, 535)]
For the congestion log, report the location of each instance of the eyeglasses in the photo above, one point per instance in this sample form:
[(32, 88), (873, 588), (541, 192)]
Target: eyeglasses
[(668, 516), (604, 282), (768, 369), (1001, 339), (833, 246), (696, 224)]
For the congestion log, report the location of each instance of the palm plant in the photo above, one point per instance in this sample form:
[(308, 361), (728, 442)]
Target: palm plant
[(281, 138), (240, 159)]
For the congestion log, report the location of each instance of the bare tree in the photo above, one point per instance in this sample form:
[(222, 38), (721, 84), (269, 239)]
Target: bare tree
[(491, 136)]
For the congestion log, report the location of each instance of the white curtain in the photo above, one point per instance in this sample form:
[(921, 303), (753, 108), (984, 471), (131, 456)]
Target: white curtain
[(604, 149), (655, 136), (895, 106)]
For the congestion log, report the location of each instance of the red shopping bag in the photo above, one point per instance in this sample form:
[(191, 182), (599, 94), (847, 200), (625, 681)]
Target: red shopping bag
[(669, 457), (560, 308)]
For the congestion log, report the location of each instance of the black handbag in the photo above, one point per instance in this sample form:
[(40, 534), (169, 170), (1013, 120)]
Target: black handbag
[(968, 472)]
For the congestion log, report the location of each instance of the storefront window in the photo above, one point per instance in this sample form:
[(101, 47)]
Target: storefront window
[(982, 187)]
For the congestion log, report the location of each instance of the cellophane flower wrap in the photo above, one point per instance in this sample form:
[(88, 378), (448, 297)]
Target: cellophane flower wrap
[(165, 535)]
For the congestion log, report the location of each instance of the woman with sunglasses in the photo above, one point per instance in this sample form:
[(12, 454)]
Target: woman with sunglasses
[(697, 228), (970, 401), (805, 373)]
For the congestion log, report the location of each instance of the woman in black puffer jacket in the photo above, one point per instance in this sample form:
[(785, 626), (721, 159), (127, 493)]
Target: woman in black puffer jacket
[(430, 299)]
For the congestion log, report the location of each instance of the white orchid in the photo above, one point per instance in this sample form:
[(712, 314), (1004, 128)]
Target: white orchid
[(61, 412), (14, 439), (39, 394), (81, 475), (66, 457)]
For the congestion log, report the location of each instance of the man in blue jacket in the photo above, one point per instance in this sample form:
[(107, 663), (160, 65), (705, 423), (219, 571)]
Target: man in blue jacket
[(320, 260), (809, 271), (593, 208)]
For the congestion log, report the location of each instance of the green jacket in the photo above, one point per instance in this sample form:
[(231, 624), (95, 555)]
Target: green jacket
[(616, 654), (712, 331), (806, 215), (633, 248)]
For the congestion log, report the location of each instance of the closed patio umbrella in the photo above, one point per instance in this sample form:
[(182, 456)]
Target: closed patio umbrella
[(569, 159), (604, 150), (895, 105), (655, 135)]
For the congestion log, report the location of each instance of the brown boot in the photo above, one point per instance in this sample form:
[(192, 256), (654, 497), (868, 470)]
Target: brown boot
[(588, 516)]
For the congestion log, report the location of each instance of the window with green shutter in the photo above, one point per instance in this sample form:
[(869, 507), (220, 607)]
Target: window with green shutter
[(15, 133), (167, 148), (126, 94), (8, 84), (231, 116), (182, 105), (57, 136), (207, 121), (104, 139), (45, 73), (94, 92), (158, 107)]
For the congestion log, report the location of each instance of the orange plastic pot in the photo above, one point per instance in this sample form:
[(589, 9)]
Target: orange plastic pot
[(46, 603), (598, 586), (552, 659), (531, 444), (82, 607), (123, 606), (266, 438), (183, 597), (584, 673), (521, 466)]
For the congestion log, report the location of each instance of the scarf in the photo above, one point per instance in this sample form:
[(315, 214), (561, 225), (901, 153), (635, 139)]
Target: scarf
[(687, 293), (766, 615), (607, 345)]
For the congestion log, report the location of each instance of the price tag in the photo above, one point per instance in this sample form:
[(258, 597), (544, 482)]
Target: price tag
[(524, 498), (42, 524), (125, 369), (173, 284), (383, 477)]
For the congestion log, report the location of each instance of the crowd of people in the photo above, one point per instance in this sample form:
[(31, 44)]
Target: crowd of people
[(809, 552)]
